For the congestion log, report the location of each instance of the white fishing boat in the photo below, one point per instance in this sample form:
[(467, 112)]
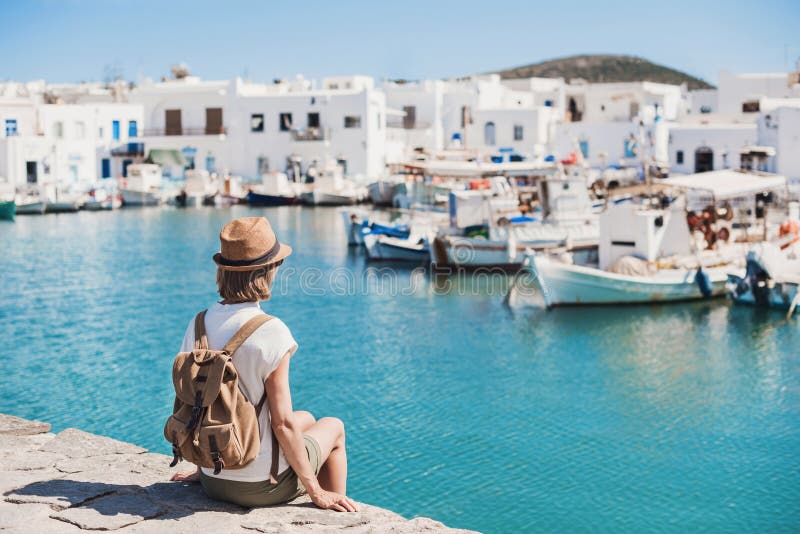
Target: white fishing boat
[(142, 186), (381, 247), (275, 190), (198, 189), (30, 205), (331, 188), (565, 220), (100, 199), (647, 252)]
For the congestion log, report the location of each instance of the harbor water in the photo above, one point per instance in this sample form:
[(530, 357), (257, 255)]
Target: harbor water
[(645, 418)]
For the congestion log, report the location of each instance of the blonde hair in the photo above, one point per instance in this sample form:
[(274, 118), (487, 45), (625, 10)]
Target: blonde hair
[(246, 286)]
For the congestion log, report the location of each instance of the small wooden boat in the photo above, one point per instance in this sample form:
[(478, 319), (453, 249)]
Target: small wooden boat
[(62, 206), (7, 210), (262, 199), (30, 207), (387, 248)]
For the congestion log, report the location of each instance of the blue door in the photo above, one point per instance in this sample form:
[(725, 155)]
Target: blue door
[(115, 130), (133, 129), (125, 164), (106, 168)]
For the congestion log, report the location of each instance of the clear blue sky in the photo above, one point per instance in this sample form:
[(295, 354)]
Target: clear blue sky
[(74, 40)]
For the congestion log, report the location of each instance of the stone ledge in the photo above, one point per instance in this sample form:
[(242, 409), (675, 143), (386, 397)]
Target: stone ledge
[(75, 481)]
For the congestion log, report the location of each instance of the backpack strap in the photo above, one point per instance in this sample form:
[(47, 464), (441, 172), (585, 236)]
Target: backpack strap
[(200, 339), (273, 469), (244, 332)]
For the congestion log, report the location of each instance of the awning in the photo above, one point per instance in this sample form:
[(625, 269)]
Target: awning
[(755, 149), (395, 112), (728, 184), (166, 158)]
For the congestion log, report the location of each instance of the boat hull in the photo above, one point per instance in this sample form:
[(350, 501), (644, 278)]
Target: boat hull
[(7, 211), (381, 193), (778, 295), (473, 253), (331, 199), (564, 284), (33, 208), (131, 197), (383, 248), (258, 199), (61, 207)]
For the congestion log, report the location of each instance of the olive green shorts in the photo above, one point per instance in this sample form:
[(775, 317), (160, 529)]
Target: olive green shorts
[(254, 494)]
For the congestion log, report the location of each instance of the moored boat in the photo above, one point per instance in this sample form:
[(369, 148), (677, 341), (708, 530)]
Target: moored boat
[(771, 279), (275, 190), (386, 248), (651, 251), (142, 185)]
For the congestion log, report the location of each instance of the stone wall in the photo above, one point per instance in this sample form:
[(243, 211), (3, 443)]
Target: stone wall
[(74, 481)]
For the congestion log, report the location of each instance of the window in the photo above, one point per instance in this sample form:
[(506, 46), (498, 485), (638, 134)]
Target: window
[(257, 122), (752, 106), (313, 120), (174, 122), (80, 130), (211, 163), (705, 109), (106, 168), (285, 122), (214, 121), (410, 117), (488, 134), (679, 157), (548, 103), (115, 130), (603, 107), (518, 132), (352, 121), (11, 127), (133, 129), (58, 129), (465, 116)]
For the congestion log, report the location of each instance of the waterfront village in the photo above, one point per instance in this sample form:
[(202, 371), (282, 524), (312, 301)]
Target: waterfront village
[(607, 192)]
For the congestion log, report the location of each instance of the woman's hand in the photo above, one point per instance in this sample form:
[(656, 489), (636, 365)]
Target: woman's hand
[(194, 476), (328, 500)]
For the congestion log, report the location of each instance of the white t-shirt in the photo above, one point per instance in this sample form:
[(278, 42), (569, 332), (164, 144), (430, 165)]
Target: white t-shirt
[(255, 360)]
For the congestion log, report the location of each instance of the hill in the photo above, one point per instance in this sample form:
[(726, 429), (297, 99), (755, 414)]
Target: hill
[(605, 69)]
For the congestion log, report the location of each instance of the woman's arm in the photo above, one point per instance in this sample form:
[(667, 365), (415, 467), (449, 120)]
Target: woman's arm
[(290, 437)]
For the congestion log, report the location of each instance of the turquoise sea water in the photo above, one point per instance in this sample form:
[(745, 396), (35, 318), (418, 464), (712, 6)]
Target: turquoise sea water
[(662, 418)]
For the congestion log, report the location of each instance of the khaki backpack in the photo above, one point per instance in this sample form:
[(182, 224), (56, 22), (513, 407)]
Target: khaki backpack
[(213, 425)]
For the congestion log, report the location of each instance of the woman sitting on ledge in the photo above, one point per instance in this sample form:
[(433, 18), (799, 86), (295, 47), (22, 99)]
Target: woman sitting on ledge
[(312, 455)]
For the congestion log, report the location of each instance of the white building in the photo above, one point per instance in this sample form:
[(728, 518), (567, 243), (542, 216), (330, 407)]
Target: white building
[(741, 93), (250, 128), (45, 143)]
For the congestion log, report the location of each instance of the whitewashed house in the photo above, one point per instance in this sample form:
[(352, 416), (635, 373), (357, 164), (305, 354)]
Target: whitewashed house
[(45, 141)]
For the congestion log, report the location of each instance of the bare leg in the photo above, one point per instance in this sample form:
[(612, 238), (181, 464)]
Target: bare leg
[(304, 419), (329, 434)]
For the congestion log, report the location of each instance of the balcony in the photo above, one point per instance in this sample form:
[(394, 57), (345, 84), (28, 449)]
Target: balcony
[(309, 134), (128, 150), (160, 132), (407, 125)]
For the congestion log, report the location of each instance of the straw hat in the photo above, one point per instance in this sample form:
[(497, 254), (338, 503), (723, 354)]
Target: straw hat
[(248, 243)]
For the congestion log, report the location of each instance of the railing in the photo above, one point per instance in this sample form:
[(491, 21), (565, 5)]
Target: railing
[(128, 149), (400, 123), (185, 131), (309, 134)]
